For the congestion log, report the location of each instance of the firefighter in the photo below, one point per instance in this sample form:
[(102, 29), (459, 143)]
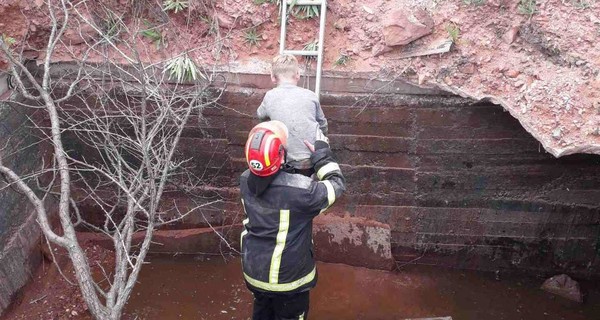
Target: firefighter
[(277, 250)]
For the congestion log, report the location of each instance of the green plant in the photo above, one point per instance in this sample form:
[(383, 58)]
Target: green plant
[(474, 2), (259, 2), (311, 46), (175, 5), (299, 11), (304, 11), (182, 68), (342, 60), (153, 34), (252, 37), (527, 7), (8, 40), (453, 31)]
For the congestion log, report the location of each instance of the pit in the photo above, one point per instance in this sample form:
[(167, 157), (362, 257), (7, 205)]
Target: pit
[(449, 202)]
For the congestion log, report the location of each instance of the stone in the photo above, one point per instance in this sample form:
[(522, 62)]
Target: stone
[(29, 234), (369, 242), (258, 19), (556, 133), (83, 33), (342, 25), (6, 292), (511, 35), (562, 285), (380, 49), (224, 20), (468, 68), (402, 27), (512, 73), (12, 263)]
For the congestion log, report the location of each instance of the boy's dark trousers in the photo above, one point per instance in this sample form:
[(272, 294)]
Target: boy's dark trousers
[(272, 306)]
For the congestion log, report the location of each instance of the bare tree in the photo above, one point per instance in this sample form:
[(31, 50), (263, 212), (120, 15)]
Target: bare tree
[(129, 117)]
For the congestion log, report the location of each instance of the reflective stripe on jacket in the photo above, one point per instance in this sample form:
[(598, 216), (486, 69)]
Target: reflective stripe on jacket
[(277, 253)]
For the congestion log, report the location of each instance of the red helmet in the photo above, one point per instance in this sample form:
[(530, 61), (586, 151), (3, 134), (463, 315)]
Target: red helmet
[(265, 151)]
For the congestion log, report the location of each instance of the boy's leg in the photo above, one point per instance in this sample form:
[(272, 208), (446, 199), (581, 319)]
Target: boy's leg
[(291, 307), (303, 167), (263, 307)]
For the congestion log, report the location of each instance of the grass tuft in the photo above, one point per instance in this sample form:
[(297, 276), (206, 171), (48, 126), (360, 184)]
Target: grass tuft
[(474, 2), (175, 5), (153, 34), (252, 37), (8, 40), (182, 68), (342, 60), (453, 31), (527, 7), (582, 4), (304, 12), (297, 11), (311, 46)]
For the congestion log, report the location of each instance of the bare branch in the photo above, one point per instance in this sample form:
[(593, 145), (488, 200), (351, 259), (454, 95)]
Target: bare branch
[(38, 205)]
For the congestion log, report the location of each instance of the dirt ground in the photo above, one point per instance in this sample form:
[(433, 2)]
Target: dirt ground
[(52, 295)]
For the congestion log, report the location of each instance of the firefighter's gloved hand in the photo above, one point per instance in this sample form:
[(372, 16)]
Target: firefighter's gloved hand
[(320, 144)]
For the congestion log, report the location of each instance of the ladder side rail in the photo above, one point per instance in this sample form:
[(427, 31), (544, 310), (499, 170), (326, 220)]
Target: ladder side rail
[(283, 26), (320, 49)]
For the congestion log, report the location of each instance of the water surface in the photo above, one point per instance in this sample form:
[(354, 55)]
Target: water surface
[(187, 288)]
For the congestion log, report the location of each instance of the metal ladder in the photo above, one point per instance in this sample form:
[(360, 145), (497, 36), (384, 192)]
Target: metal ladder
[(319, 51)]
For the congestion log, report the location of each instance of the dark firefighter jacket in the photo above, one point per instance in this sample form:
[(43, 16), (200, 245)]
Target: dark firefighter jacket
[(277, 252)]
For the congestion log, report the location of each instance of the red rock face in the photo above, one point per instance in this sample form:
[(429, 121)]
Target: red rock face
[(455, 183), (402, 27), (555, 51)]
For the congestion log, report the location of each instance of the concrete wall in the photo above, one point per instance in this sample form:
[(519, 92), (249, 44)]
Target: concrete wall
[(20, 235), (459, 184)]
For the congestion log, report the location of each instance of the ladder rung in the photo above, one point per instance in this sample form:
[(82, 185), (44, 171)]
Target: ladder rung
[(301, 52), (306, 2)]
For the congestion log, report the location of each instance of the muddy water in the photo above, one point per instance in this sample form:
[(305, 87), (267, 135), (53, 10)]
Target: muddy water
[(186, 288)]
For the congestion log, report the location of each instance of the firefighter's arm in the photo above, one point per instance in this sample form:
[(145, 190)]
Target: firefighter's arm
[(331, 184)]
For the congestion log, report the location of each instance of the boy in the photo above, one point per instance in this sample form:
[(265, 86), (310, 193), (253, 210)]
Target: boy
[(298, 108), (277, 254)]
